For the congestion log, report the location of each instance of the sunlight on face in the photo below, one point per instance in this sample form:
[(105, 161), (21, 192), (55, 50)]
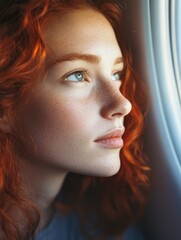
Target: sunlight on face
[(75, 114)]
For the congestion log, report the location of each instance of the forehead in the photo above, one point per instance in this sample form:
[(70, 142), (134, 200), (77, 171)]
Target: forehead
[(79, 30)]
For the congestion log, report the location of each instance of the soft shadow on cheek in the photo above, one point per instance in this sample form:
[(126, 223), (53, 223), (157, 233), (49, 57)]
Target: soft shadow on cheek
[(52, 115)]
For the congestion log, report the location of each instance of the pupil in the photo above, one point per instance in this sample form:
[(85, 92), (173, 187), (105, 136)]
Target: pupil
[(78, 75), (117, 76)]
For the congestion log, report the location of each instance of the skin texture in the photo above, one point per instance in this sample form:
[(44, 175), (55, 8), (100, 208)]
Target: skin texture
[(65, 116)]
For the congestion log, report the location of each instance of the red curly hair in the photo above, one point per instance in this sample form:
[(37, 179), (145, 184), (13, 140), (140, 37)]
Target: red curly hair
[(114, 202)]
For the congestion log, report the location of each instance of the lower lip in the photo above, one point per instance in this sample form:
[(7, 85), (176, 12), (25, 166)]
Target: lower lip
[(111, 142)]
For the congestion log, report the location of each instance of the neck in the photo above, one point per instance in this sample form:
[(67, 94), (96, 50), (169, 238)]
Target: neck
[(42, 184)]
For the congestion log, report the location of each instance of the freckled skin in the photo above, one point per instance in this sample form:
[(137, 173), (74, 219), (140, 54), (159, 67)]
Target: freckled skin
[(65, 118)]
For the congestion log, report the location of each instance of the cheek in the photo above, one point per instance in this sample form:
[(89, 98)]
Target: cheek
[(52, 121)]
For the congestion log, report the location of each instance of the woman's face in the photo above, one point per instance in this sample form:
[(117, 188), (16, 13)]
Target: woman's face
[(78, 101)]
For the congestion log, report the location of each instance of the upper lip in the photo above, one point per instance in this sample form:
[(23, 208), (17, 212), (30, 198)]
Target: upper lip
[(115, 133)]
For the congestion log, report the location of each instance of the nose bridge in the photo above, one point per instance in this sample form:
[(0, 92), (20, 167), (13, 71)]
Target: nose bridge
[(113, 102)]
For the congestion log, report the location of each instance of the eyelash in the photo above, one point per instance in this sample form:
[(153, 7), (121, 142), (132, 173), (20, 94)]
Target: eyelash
[(122, 75), (86, 77), (84, 72)]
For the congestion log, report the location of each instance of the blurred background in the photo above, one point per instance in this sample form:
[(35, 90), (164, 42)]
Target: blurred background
[(155, 28)]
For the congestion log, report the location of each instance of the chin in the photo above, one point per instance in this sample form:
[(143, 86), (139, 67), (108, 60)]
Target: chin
[(111, 168), (107, 170), (111, 172)]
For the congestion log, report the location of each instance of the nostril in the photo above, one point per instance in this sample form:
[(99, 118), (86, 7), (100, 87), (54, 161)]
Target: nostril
[(113, 103), (117, 115), (124, 108), (116, 109)]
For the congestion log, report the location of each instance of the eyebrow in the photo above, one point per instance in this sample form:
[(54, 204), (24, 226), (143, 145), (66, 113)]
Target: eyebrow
[(85, 57)]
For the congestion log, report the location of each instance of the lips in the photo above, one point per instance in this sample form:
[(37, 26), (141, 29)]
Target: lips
[(112, 139)]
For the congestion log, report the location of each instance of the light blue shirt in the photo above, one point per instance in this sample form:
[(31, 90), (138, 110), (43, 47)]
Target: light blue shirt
[(66, 227), (63, 227)]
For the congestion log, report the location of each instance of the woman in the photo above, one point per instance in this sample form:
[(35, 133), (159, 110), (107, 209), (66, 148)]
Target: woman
[(65, 81)]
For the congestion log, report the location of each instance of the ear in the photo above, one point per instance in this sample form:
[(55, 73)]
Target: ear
[(5, 125)]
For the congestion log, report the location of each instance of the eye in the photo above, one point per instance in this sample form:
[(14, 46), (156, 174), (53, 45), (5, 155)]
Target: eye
[(118, 76), (78, 76)]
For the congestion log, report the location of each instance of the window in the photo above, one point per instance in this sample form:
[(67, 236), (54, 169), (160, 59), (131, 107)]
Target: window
[(162, 38)]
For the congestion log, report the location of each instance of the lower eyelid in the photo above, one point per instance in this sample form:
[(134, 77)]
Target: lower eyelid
[(75, 76), (84, 73)]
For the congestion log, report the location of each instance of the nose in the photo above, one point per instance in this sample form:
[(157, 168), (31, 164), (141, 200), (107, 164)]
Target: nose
[(114, 104)]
